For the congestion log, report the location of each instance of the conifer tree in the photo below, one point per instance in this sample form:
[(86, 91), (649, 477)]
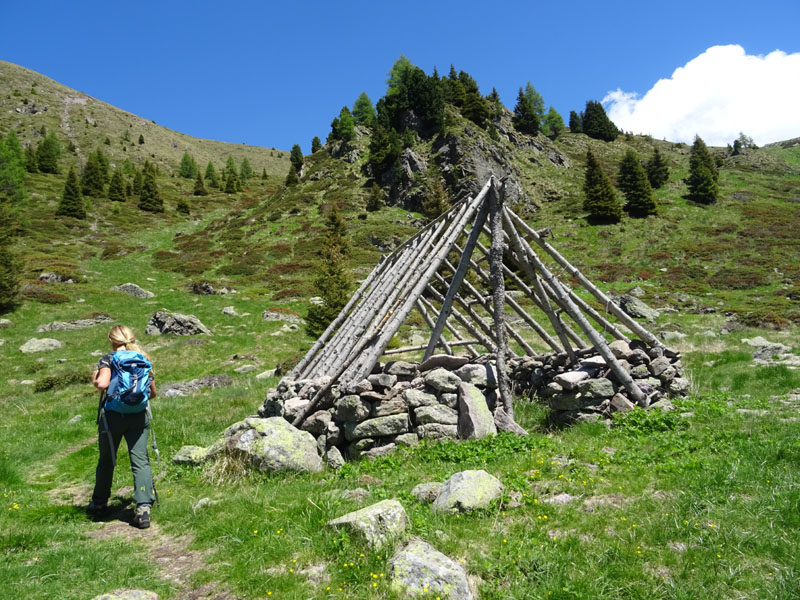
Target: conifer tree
[(245, 171), (657, 170), (102, 160), (150, 197), (633, 182), (188, 167), (12, 169), (375, 200), (525, 118), (116, 189), (575, 122), (141, 139), (231, 186), (199, 186), (31, 162), (703, 174), (344, 127), (72, 204), (363, 112), (92, 180), (553, 124), (316, 144), (291, 176), (211, 175), (596, 123), (232, 174), (264, 173), (333, 279), (601, 201), (296, 157), (10, 266), (47, 153), (436, 201), (183, 206), (138, 181)]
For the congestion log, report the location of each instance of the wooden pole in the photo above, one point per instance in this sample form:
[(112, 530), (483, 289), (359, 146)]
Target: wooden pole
[(485, 341), (450, 328), (429, 321), (417, 348)]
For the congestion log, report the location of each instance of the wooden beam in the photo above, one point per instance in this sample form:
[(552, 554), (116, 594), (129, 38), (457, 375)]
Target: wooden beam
[(450, 327), (429, 321), (417, 348)]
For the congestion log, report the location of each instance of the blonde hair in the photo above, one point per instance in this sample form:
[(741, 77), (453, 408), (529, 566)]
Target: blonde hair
[(121, 337)]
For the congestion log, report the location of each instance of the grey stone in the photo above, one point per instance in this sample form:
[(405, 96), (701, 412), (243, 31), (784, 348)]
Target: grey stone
[(770, 352), (596, 388), (478, 375), (427, 492), (266, 374), (621, 404), (378, 427), (75, 419), (351, 408), (377, 451), (75, 324), (640, 372), (231, 311), (436, 414), (316, 300), (273, 444), (294, 407), (573, 401), (4, 323), (134, 290), (384, 408), (377, 524), (415, 398), (570, 379), (401, 368), (419, 570), (407, 439), (279, 315), (504, 422), (672, 336), (449, 400), (659, 365), (27, 382), (362, 386), (317, 423), (443, 360), (334, 458), (662, 405), (191, 455), (128, 595), (466, 491), (442, 380), (637, 309), (437, 431), (39, 345), (592, 363), (619, 348), (637, 292), (475, 420), (245, 369), (679, 386), (187, 388), (638, 357), (560, 499), (382, 380), (175, 324)]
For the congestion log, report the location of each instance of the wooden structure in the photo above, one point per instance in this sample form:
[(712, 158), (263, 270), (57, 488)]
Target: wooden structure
[(421, 274)]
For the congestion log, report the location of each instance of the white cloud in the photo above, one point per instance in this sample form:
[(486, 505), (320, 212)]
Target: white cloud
[(716, 95)]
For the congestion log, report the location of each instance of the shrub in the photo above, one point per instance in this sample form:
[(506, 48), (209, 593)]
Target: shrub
[(62, 380)]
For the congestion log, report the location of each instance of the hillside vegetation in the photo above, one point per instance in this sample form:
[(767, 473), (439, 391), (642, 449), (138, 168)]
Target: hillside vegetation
[(702, 502)]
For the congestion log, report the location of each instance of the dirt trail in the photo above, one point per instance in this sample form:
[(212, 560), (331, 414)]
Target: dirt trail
[(68, 102)]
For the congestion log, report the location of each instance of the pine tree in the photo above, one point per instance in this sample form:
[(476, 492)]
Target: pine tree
[(183, 206), (333, 279), (703, 174), (316, 145), (245, 171), (291, 176), (375, 200), (553, 124), (92, 180), (657, 170), (232, 174), (150, 198), (31, 162), (102, 160), (116, 189), (72, 204), (188, 167), (601, 201), (12, 169), (296, 157), (436, 201), (363, 112), (633, 182), (47, 153), (199, 187), (231, 186), (264, 173), (596, 123), (211, 175), (575, 122), (10, 265), (525, 118), (138, 182), (344, 127), (141, 139)]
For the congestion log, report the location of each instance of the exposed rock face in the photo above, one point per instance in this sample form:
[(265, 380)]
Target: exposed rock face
[(271, 445), (39, 345), (466, 491), (419, 569), (377, 524), (75, 324), (133, 290), (175, 324)]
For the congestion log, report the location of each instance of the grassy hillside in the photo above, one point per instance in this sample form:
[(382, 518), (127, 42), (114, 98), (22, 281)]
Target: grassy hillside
[(698, 503)]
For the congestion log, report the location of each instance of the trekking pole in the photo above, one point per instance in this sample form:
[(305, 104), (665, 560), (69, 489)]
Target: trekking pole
[(155, 451), (101, 416)]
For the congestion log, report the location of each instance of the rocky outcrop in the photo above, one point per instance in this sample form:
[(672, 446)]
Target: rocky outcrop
[(76, 324), (175, 324), (133, 290), (39, 345)]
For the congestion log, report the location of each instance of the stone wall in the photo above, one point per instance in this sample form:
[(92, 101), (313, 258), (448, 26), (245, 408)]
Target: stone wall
[(455, 397)]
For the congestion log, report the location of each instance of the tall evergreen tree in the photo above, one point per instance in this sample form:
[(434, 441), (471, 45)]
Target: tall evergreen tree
[(703, 174), (10, 265), (291, 176), (575, 122), (296, 157), (138, 182), (150, 198), (31, 161), (48, 152), (12, 169), (525, 117), (116, 189), (633, 182), (232, 174), (343, 127), (72, 204), (183, 206), (316, 144), (553, 124), (596, 123), (92, 180), (363, 112), (188, 167), (141, 139), (601, 201), (199, 186), (657, 170), (245, 170), (231, 185), (264, 173), (105, 165), (211, 175), (375, 200)]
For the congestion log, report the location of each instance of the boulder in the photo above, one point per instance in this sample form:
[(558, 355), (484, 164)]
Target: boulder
[(619, 348), (621, 404), (504, 422), (596, 388), (334, 458), (466, 491), (474, 418), (351, 409), (384, 408), (443, 360), (483, 376), (658, 366), (679, 386), (294, 407), (418, 569), (436, 414), (415, 398), (133, 290), (273, 444), (437, 431), (175, 324), (245, 369), (75, 324), (637, 309), (427, 492), (378, 427), (378, 524), (4, 323), (191, 455), (570, 379), (407, 439), (55, 278), (377, 451), (443, 380), (382, 380), (39, 345), (449, 400), (671, 336), (401, 368), (317, 423)]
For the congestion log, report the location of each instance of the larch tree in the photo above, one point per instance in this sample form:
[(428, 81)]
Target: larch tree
[(31, 161), (553, 125), (245, 170), (188, 167), (211, 175)]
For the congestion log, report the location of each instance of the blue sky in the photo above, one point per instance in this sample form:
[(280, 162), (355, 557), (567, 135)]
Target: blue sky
[(275, 74)]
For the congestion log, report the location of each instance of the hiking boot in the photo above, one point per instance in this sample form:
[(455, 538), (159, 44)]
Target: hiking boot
[(142, 517), (97, 509)]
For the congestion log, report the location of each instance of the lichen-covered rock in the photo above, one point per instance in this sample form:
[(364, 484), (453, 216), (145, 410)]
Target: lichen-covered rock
[(378, 427), (75, 324), (443, 360), (39, 345), (419, 570), (191, 455), (443, 380), (416, 398), (377, 524), (621, 404), (679, 386), (596, 388), (334, 458), (482, 376), (401, 368), (384, 408), (637, 309), (468, 490), (436, 414), (128, 595), (475, 420), (134, 290), (407, 439), (437, 431), (504, 422), (317, 423), (449, 400), (273, 444), (175, 324), (351, 409), (382, 380), (427, 492), (570, 379), (187, 388), (619, 348)]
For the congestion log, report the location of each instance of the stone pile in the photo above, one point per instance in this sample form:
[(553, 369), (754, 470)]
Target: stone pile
[(590, 391)]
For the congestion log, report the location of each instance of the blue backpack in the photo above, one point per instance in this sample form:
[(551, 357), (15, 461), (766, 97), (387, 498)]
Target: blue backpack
[(129, 389)]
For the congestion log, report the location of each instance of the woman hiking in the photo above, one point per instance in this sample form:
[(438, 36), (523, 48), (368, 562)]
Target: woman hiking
[(125, 380)]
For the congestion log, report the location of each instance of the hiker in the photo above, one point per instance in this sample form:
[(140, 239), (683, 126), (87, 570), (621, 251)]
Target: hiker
[(125, 380)]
